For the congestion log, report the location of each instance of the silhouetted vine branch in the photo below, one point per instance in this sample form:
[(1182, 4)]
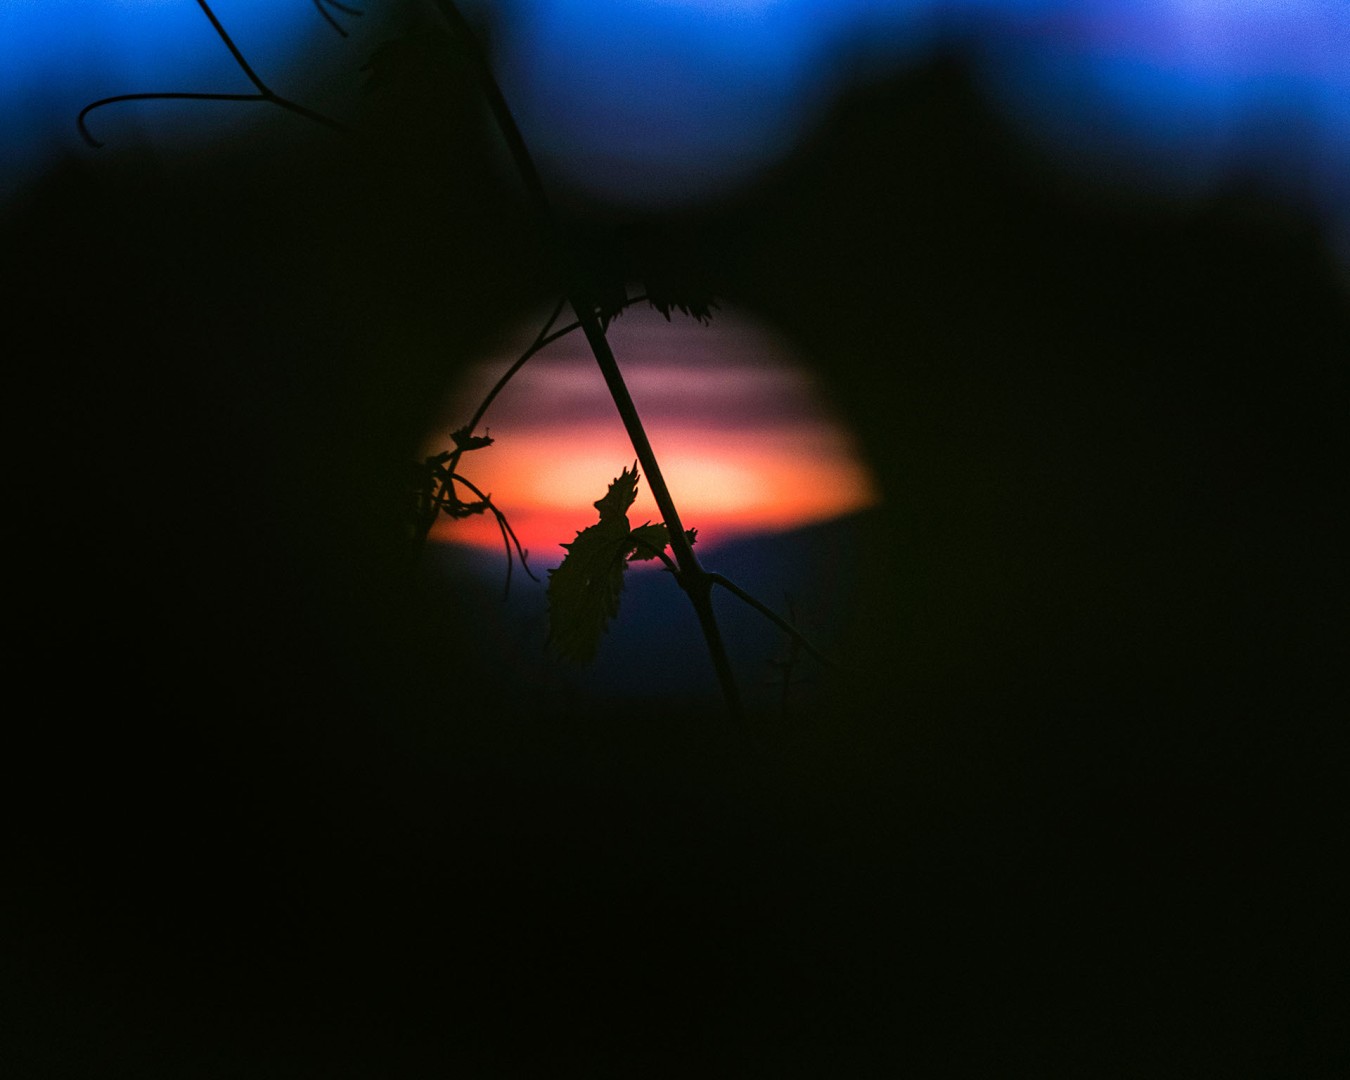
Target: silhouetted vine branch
[(437, 495), (322, 6), (658, 553), (541, 342), (509, 537), (264, 92), (691, 575), (442, 469), (438, 474)]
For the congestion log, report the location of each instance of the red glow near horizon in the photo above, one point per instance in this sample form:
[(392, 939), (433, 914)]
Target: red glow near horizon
[(745, 440)]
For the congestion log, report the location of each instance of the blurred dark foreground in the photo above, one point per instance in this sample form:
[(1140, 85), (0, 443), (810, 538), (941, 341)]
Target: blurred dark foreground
[(1076, 808)]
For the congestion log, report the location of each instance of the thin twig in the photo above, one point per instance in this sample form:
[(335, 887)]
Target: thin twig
[(319, 6), (540, 343), (164, 96), (446, 500), (515, 142), (506, 542), (658, 553), (794, 647), (542, 339), (265, 93), (521, 552), (772, 616), (224, 36)]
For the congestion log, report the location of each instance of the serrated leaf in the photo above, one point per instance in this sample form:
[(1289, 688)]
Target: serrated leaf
[(622, 491), (583, 592), (699, 307), (648, 541)]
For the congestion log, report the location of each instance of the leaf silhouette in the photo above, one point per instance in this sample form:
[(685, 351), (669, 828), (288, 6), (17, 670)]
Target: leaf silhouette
[(648, 541), (670, 266), (583, 592), (616, 501), (466, 441)]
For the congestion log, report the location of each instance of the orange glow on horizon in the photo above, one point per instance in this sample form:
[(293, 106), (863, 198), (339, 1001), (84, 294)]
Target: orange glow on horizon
[(744, 440)]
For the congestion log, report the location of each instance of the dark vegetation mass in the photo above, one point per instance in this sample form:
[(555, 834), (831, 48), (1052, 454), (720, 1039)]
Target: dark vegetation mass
[(1076, 808)]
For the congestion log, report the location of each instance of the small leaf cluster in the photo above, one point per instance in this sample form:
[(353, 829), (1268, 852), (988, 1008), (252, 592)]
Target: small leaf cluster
[(584, 591), (435, 491), (436, 476), (667, 264)]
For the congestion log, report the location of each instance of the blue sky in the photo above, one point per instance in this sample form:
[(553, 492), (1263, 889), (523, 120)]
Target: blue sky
[(646, 101), (58, 55)]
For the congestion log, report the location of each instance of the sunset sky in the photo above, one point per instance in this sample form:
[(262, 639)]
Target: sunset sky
[(745, 439)]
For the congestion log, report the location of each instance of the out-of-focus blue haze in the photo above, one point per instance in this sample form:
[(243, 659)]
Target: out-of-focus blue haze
[(653, 101), (56, 56)]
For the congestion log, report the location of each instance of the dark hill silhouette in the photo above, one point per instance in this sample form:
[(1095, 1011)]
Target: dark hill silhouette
[(1079, 813), (652, 655)]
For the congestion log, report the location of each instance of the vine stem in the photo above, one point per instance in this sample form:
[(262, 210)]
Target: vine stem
[(508, 534), (696, 582), (264, 92), (541, 342), (542, 339)]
